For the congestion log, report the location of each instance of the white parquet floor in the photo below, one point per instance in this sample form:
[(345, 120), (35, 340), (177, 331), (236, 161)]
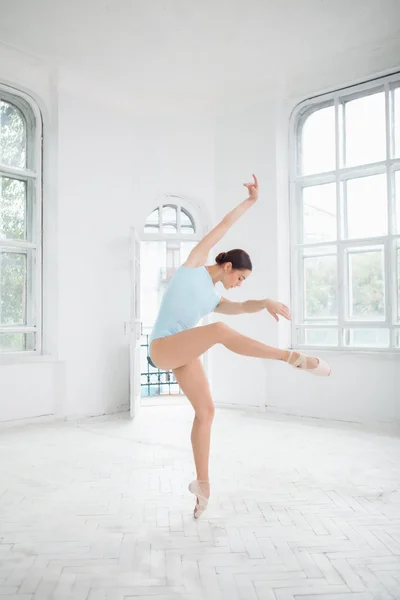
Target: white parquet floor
[(99, 510)]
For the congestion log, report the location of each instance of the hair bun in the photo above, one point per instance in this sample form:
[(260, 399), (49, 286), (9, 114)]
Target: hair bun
[(239, 259)]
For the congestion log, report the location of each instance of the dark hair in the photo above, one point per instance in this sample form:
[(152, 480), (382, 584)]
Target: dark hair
[(239, 259)]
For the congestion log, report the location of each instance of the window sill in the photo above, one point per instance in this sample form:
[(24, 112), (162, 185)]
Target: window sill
[(26, 359), (381, 352)]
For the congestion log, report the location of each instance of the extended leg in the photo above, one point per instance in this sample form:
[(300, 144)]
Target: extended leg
[(180, 349)]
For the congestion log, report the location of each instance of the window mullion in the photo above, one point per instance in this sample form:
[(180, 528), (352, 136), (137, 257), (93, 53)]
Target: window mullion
[(361, 243), (319, 179), (389, 171), (346, 173), (302, 293), (299, 220), (294, 266), (14, 173), (389, 246), (296, 226), (10, 243), (341, 284), (387, 282)]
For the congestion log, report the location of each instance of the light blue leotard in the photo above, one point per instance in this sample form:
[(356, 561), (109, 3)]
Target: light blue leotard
[(189, 296)]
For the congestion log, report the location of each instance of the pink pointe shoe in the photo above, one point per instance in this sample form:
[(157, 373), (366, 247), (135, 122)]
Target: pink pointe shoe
[(202, 500), (322, 370)]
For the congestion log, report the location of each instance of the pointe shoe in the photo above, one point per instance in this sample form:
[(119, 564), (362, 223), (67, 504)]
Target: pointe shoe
[(321, 370), (202, 500)]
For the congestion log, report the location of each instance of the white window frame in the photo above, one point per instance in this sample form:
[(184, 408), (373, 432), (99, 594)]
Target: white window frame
[(179, 202), (32, 175), (389, 242)]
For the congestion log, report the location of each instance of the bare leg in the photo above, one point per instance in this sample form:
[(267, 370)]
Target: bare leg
[(194, 384), (180, 349)]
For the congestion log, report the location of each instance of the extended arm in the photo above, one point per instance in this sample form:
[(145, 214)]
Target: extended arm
[(226, 307), (199, 254)]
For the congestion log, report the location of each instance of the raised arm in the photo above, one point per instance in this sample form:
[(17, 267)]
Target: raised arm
[(199, 254)]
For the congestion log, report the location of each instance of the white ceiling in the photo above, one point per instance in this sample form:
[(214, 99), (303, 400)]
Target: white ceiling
[(208, 49)]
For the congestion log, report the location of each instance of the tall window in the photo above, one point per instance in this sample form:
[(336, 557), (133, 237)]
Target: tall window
[(345, 215), (20, 224), (170, 233)]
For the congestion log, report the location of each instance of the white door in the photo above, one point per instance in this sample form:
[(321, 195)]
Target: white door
[(135, 323)]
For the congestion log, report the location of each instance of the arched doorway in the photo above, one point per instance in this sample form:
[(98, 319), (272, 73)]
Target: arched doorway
[(170, 232)]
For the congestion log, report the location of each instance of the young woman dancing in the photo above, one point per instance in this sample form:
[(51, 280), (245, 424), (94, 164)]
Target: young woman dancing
[(175, 342)]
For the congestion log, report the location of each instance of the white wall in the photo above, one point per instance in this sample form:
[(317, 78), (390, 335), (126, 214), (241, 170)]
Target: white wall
[(112, 167), (245, 144), (28, 390), (363, 387), (105, 169)]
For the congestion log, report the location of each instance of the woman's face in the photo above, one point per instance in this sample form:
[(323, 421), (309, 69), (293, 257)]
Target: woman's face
[(232, 278)]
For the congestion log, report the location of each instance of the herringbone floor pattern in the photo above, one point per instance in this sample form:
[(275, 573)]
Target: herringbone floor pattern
[(99, 510)]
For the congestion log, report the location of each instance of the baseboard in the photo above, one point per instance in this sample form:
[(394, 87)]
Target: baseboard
[(27, 421)]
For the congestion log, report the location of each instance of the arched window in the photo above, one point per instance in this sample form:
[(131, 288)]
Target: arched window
[(345, 215), (170, 219), (20, 223)]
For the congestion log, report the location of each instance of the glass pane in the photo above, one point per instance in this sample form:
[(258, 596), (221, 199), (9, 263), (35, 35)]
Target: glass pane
[(367, 206), (12, 208), (153, 262), (12, 136), (318, 142), (321, 337), (152, 224), (12, 288), (187, 223), (319, 213), (169, 219), (188, 230), (17, 342), (173, 259), (365, 130), (186, 248), (320, 286), (397, 122), (397, 205), (151, 229), (367, 338), (366, 285)]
